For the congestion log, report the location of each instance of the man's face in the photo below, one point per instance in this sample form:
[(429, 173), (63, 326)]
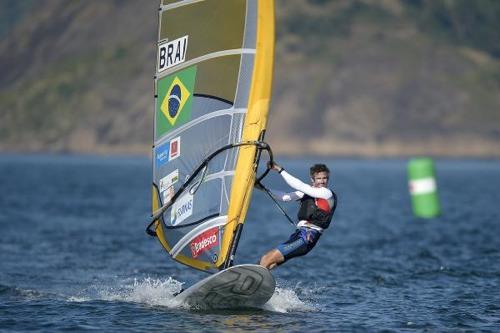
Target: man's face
[(320, 179)]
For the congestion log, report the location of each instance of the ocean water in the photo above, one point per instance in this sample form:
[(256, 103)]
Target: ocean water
[(74, 254)]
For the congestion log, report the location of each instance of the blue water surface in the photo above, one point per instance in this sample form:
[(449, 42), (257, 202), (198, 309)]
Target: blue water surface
[(74, 254)]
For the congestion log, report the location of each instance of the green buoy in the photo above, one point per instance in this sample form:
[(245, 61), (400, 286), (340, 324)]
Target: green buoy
[(423, 189)]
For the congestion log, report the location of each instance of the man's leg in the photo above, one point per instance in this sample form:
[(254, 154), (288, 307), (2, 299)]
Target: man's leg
[(271, 259), (299, 243)]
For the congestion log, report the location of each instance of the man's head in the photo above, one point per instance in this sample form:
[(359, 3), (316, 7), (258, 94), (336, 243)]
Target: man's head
[(319, 175)]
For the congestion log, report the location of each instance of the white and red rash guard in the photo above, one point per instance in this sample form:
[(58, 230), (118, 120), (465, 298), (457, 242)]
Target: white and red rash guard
[(324, 195)]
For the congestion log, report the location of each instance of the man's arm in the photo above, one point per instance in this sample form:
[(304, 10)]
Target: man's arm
[(315, 192)]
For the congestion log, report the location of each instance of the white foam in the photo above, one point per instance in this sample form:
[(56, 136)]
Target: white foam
[(286, 300), (148, 291), (158, 292), (78, 299)]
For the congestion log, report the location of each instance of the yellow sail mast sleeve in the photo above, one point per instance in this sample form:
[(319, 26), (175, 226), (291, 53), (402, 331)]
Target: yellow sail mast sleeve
[(255, 122)]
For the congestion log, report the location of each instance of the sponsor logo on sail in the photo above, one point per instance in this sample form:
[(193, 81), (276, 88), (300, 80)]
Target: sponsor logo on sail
[(167, 185), (167, 195), (175, 148), (172, 53), (175, 96), (204, 241), (169, 180), (181, 209), (162, 155)]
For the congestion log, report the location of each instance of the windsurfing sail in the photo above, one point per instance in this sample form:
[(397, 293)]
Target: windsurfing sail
[(212, 93)]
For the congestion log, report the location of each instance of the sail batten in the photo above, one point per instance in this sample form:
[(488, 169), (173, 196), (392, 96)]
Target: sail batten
[(167, 6), (210, 56), (208, 117), (225, 112)]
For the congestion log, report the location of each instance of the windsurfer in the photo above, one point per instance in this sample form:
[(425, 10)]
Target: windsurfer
[(317, 205)]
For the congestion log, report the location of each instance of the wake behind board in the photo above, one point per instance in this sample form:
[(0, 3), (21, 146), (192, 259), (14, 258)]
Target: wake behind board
[(241, 286)]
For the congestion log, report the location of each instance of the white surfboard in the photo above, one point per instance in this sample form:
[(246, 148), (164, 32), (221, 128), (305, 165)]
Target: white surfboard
[(241, 286)]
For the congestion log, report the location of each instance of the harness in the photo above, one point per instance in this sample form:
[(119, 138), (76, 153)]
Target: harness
[(317, 211)]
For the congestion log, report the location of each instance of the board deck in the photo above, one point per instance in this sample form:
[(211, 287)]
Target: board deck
[(241, 286)]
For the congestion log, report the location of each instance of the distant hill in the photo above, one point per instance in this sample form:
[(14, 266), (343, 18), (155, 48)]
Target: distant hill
[(360, 77)]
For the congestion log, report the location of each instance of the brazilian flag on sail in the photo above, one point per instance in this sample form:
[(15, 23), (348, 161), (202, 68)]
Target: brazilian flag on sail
[(175, 96)]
